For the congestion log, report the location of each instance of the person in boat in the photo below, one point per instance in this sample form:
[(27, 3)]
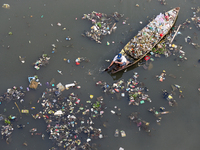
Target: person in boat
[(119, 60)]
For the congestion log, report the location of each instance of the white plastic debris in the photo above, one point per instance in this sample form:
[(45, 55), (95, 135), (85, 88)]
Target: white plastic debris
[(59, 112), (6, 6), (100, 136), (53, 45), (22, 59), (59, 24), (121, 148), (112, 111), (88, 140), (67, 86), (60, 72), (122, 94)]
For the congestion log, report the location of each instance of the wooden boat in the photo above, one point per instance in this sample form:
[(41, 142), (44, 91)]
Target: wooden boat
[(146, 39)]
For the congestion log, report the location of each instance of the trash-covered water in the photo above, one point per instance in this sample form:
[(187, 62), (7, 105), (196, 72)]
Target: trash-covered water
[(29, 29)]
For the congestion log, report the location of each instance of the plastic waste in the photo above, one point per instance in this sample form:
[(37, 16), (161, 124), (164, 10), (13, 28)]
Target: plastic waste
[(164, 112), (60, 87), (68, 38), (33, 130), (59, 112), (6, 6), (88, 140), (112, 111), (25, 111), (142, 102), (31, 78), (33, 84), (123, 94), (60, 72), (67, 86), (22, 59), (59, 24), (78, 101), (100, 136), (123, 134), (116, 133), (77, 63), (177, 86), (101, 112)]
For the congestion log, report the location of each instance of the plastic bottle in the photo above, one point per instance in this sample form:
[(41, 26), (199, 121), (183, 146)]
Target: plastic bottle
[(60, 72), (68, 38), (177, 86), (112, 111)]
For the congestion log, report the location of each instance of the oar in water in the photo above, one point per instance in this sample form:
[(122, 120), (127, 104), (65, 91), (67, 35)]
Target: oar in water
[(108, 68), (105, 70)]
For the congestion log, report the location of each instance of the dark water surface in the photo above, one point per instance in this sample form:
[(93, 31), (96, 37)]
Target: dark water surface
[(179, 130)]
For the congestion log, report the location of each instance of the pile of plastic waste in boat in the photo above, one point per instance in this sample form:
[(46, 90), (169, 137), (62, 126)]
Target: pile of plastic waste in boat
[(149, 36)]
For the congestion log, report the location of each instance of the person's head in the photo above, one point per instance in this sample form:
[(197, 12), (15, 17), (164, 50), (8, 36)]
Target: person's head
[(119, 56)]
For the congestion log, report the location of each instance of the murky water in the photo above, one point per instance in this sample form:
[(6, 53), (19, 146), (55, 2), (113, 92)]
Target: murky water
[(31, 21)]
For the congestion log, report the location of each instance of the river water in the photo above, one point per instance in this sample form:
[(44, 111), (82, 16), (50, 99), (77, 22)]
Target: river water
[(31, 21)]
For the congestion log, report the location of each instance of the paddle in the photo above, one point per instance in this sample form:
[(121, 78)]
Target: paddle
[(109, 67), (106, 69)]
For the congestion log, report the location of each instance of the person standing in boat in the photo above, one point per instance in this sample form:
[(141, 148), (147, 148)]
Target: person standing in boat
[(119, 60)]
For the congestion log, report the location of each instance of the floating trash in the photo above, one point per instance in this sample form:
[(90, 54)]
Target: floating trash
[(7, 6), (100, 26)]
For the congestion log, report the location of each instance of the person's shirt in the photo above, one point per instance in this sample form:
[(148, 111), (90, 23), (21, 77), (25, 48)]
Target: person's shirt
[(122, 59)]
